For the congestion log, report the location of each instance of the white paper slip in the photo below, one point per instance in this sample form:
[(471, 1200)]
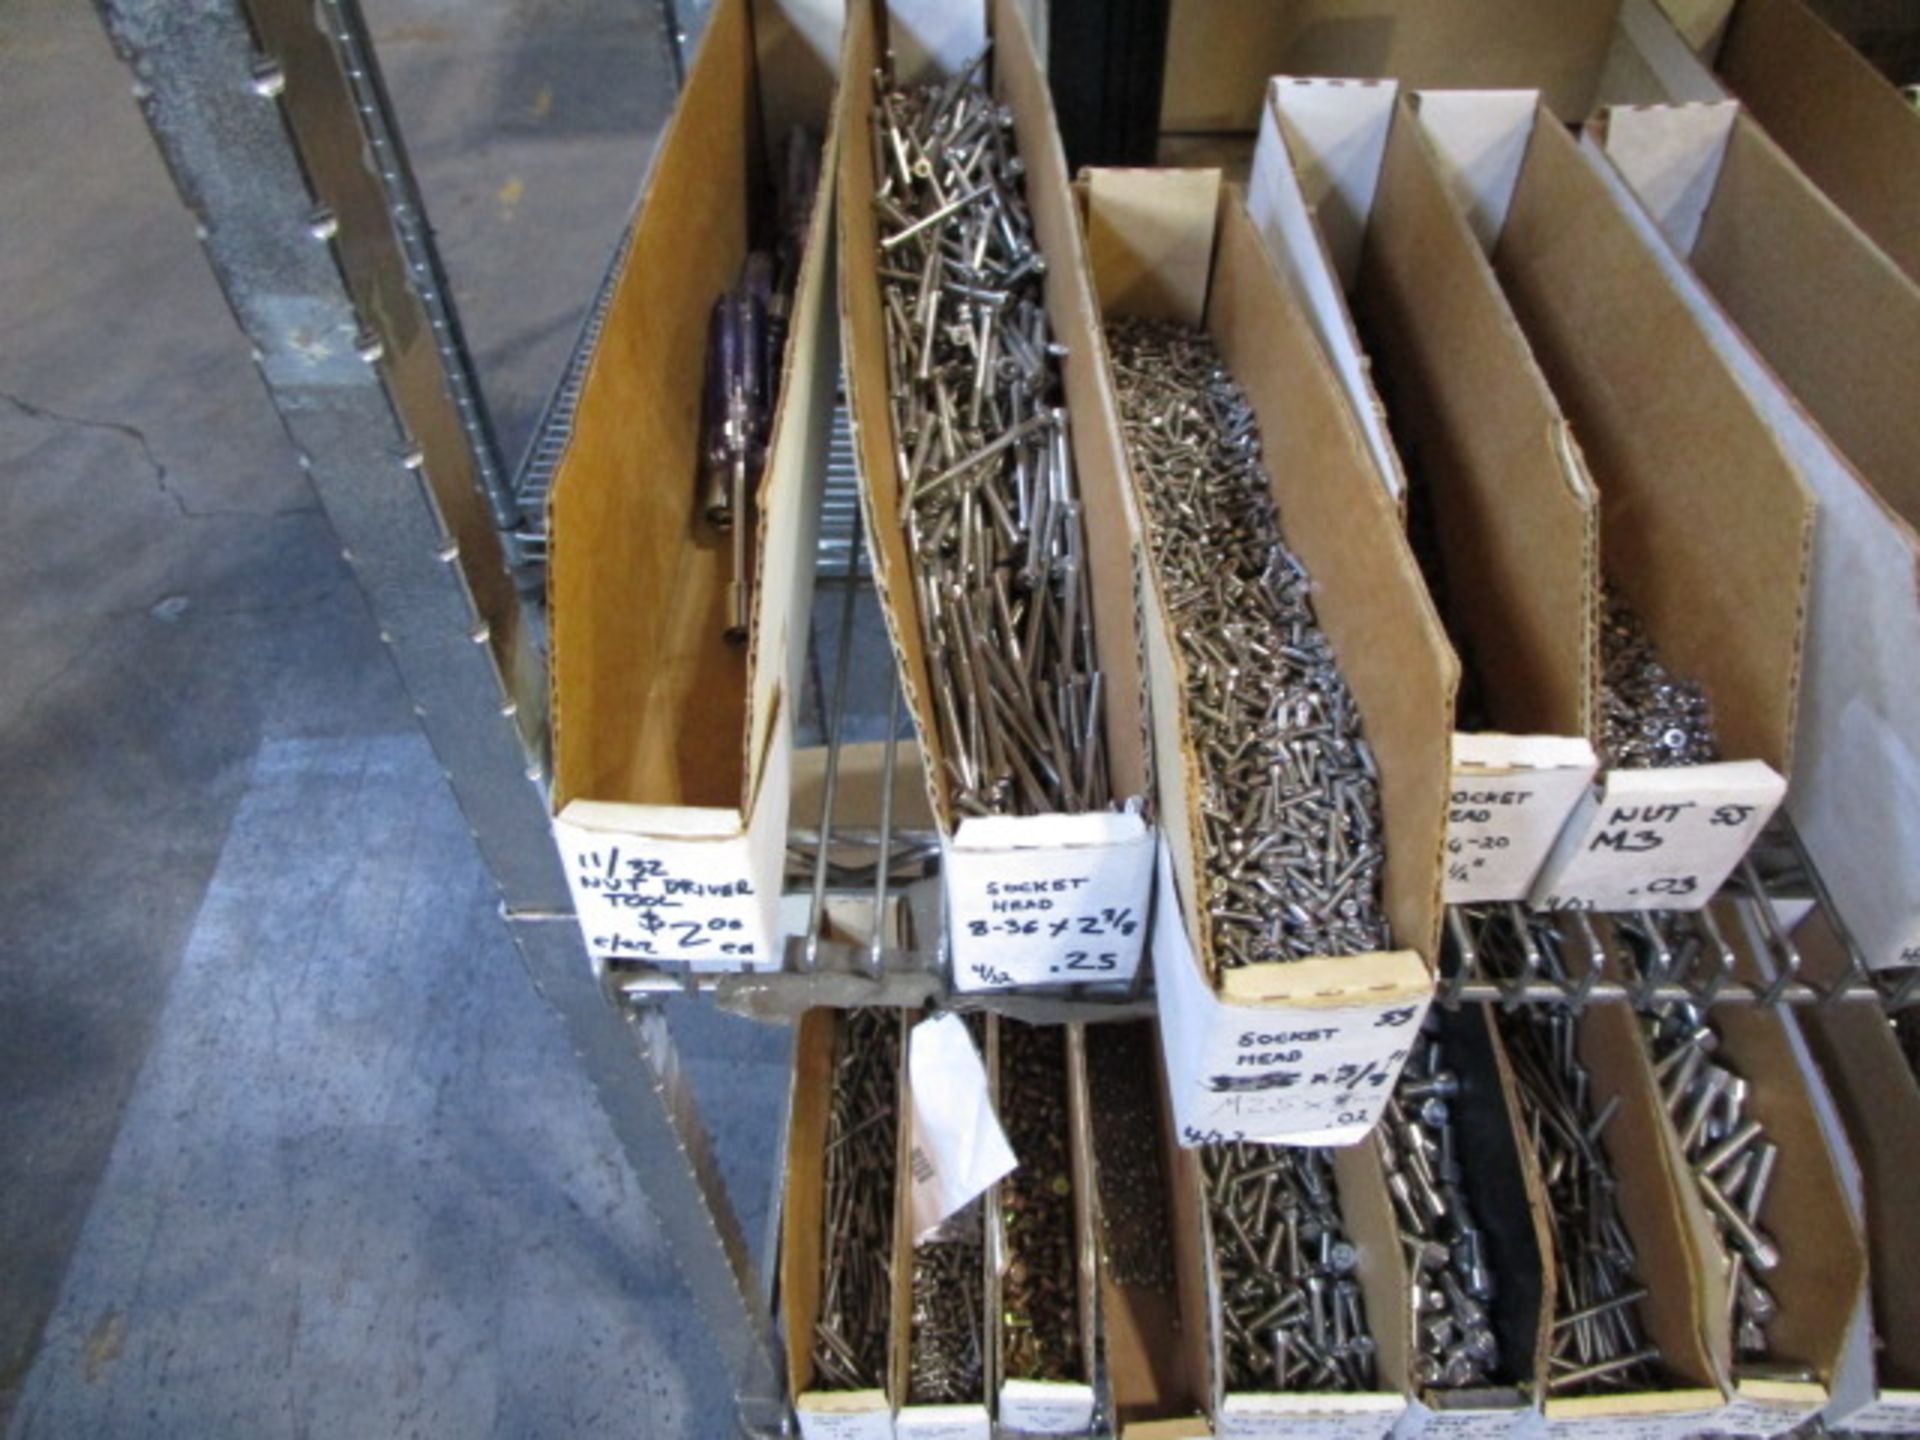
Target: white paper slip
[(1420, 1422), (1312, 1069), (1755, 1418), (645, 897), (959, 1148), (1651, 1424), (1658, 839), (943, 1422), (1319, 1417), (1045, 1407), (1896, 1412), (1508, 799), (854, 1415), (1048, 899)]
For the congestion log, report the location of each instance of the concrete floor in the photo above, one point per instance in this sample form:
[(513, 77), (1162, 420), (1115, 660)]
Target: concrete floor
[(287, 1144)]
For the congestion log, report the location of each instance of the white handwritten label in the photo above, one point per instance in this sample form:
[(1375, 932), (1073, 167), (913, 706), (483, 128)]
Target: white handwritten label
[(1472, 1424), (1633, 1425), (1896, 1412), (959, 1148), (1045, 1407), (1750, 1416), (942, 1422), (1317, 1070), (1658, 839), (848, 1415), (1508, 799), (1048, 900), (1320, 1417)]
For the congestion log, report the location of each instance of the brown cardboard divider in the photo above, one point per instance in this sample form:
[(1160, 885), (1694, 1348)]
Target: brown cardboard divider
[(1368, 594), (1154, 1390), (1880, 1105), (1705, 525), (1823, 1258), (1220, 53), (1512, 504), (832, 1415), (1823, 331), (1348, 192), (665, 733), (1856, 136), (1018, 83), (1656, 1213)]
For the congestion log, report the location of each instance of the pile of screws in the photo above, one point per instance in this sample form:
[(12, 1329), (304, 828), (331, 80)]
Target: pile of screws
[(1290, 1305), (1650, 718), (990, 504), (1731, 1159), (850, 1334), (1598, 1344), (1039, 1291), (1122, 1078), (1446, 1250), (946, 1360), (1290, 802)]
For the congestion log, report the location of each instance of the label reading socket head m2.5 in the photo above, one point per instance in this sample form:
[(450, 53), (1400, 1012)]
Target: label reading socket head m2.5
[(1658, 839), (1316, 1073)]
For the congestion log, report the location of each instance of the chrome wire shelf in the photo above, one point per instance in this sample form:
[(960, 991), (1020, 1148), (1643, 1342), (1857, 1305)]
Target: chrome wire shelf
[(1738, 950)]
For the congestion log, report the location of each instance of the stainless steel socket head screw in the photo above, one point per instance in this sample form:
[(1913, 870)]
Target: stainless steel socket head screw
[(1292, 840)]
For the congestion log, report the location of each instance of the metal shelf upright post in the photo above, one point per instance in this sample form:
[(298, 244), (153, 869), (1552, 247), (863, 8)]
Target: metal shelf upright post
[(273, 120)]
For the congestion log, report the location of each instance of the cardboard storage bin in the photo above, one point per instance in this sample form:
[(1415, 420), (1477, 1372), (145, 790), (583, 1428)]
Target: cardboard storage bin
[(1836, 116), (1145, 1328), (672, 744), (1503, 1190), (1705, 524), (1022, 1404), (1577, 53), (1349, 196), (1661, 1215), (834, 1414), (1367, 1213), (1078, 906), (1823, 331), (1876, 1113), (1305, 1050), (1821, 1278)]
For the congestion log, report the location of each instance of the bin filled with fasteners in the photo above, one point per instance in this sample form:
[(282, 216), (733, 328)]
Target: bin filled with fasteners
[(842, 1286), (998, 530), (1302, 688), (683, 511), (1705, 530), (1787, 1265), (1354, 202), (1040, 1217), (1307, 1331), (1152, 1310), (1473, 1229), (1627, 1285)]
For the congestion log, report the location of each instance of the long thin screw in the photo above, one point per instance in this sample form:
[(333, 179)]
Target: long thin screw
[(850, 1333), (991, 506)]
